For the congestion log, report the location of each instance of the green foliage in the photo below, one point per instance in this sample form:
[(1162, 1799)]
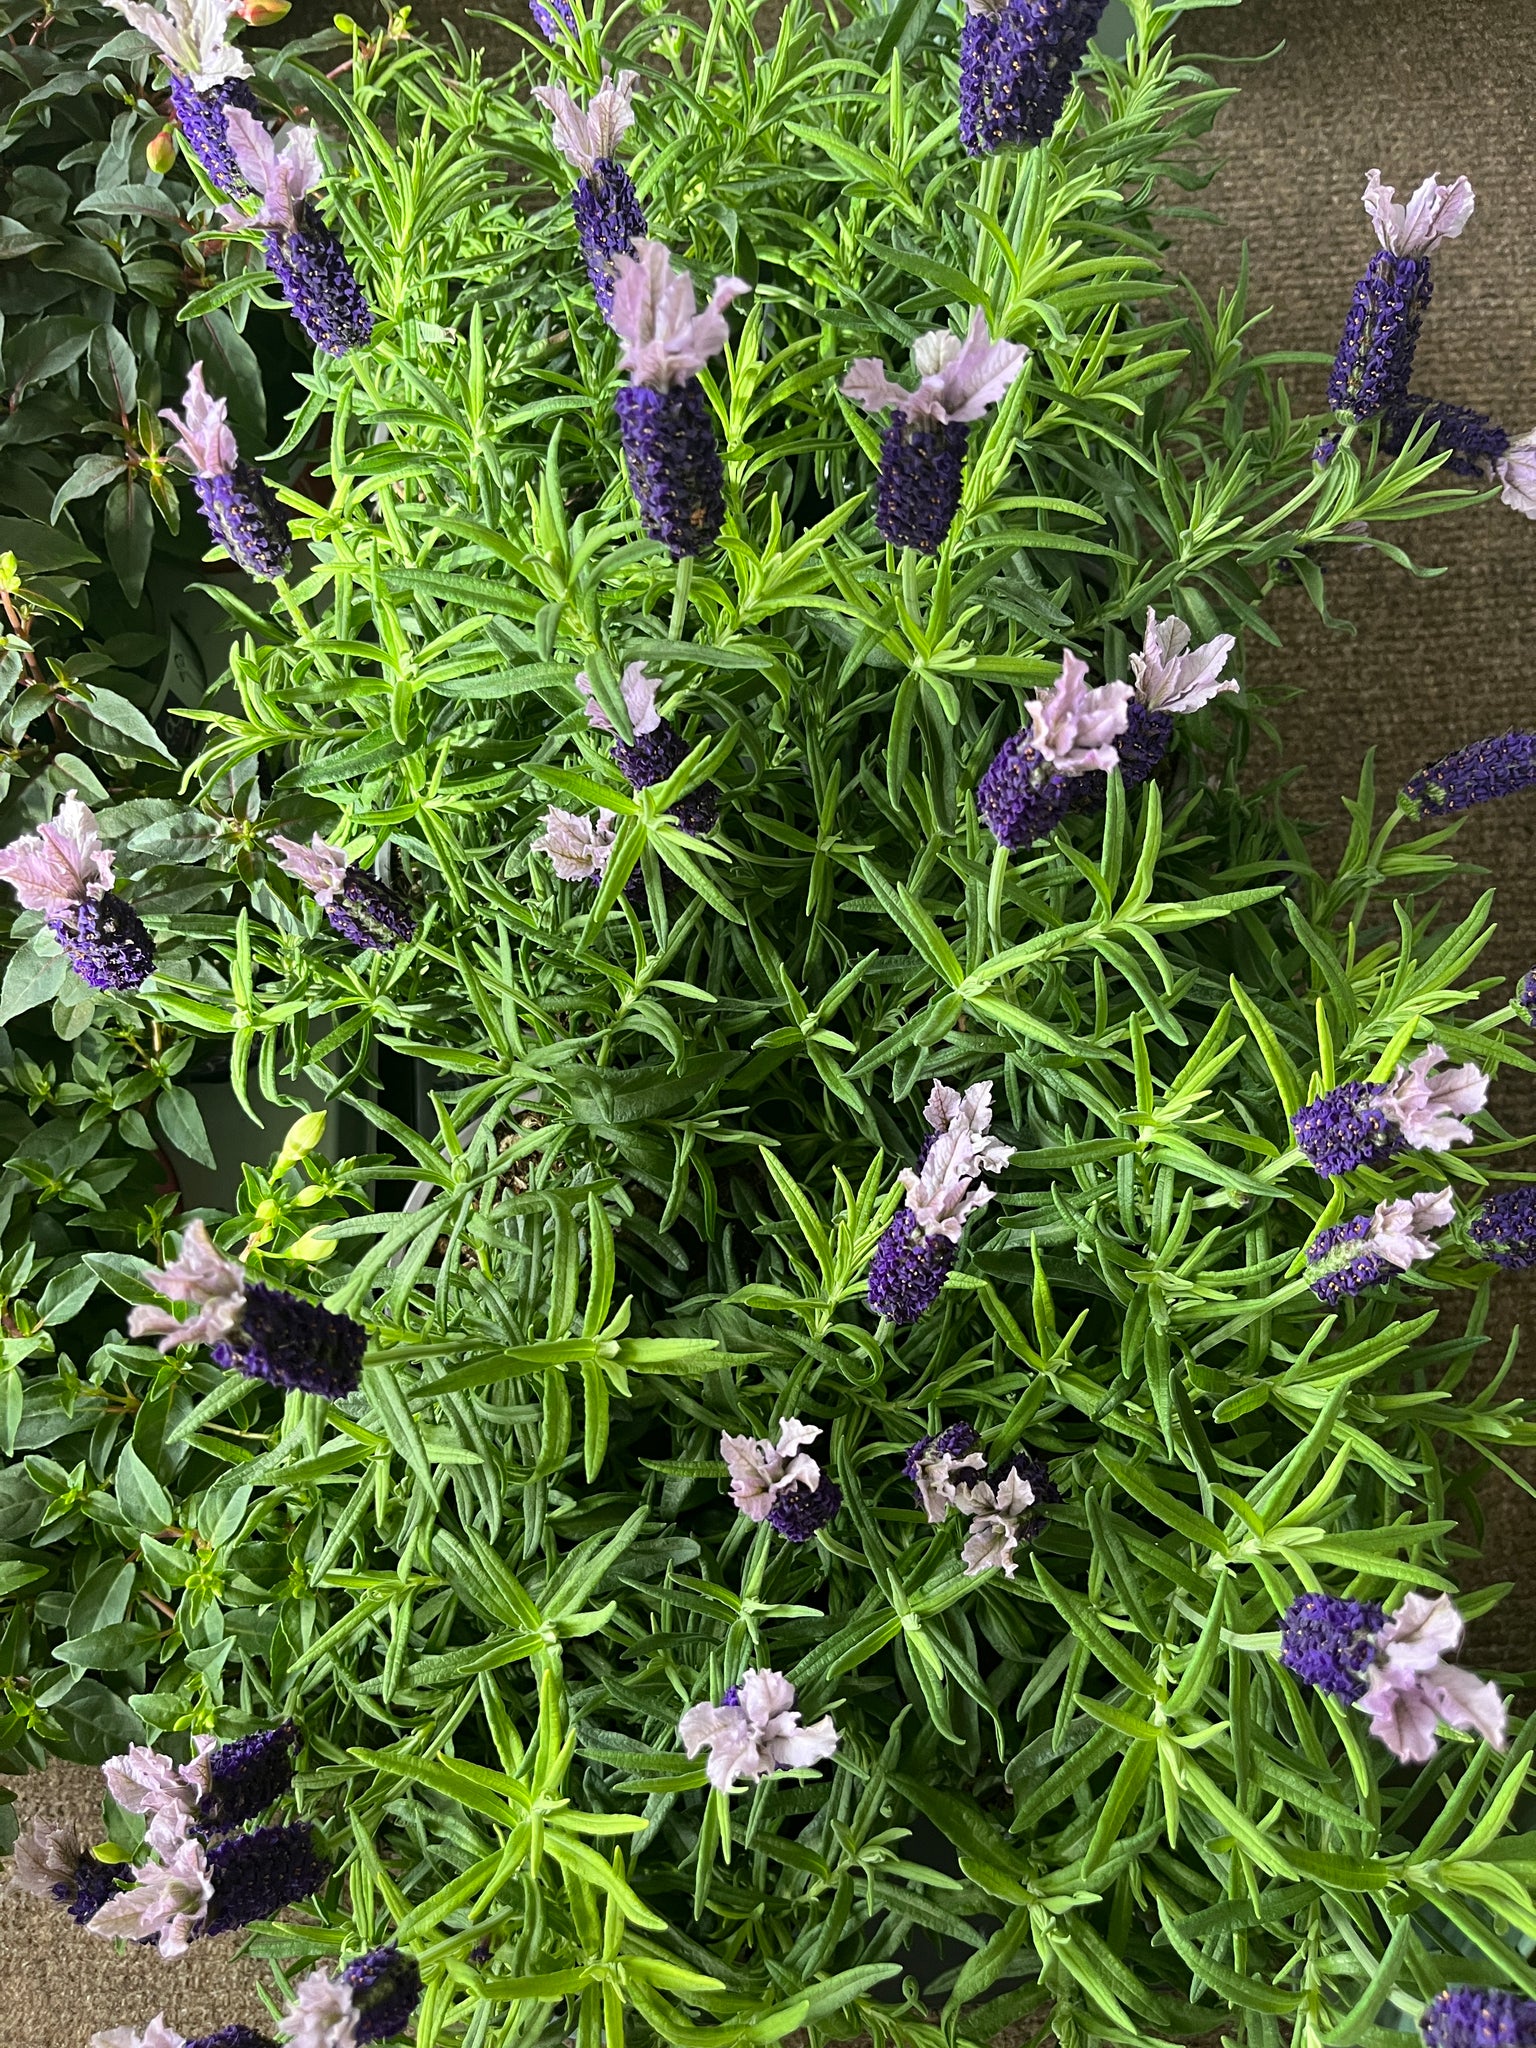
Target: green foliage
[(650, 1151)]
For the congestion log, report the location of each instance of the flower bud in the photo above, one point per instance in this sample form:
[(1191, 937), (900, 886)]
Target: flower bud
[(160, 150), (261, 13)]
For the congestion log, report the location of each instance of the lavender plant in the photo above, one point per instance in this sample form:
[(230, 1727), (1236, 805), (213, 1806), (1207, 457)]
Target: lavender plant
[(848, 1464)]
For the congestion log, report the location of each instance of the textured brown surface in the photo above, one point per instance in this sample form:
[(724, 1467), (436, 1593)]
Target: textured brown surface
[(1430, 665), (59, 1984)]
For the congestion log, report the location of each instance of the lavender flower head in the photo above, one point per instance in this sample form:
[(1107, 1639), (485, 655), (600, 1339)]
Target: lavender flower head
[(1364, 1123), (372, 1999), (1374, 365), (609, 217), (1329, 1643), (189, 1889), (53, 1863), (669, 440), (208, 76), (1504, 765), (922, 453), (1467, 441), (1525, 997), (64, 874), (1394, 1670), (1018, 59), (917, 1249), (364, 910), (158, 2034), (1504, 1228), (1169, 678), (756, 1732), (1365, 1252), (251, 1328), (656, 749), (303, 254), (239, 505), (223, 1786), (935, 1462), (1074, 730), (553, 18), (1467, 2016), (778, 1483)]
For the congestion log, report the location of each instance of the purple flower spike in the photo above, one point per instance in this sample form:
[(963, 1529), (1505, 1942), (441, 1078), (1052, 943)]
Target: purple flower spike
[(554, 19), (922, 453), (668, 436), (190, 1890), (610, 220), (208, 76), (1466, 2016), (801, 1510), (247, 1776), (1347, 1128), (365, 911), (1479, 774), (1467, 441), (203, 118), (656, 750), (1329, 1643), (1018, 59), (1374, 365), (294, 1345), (303, 254), (64, 873), (1504, 1228), (372, 1999), (250, 1328), (918, 1246), (53, 1863), (1369, 1250), (1169, 679), (1525, 997), (242, 512), (1073, 731)]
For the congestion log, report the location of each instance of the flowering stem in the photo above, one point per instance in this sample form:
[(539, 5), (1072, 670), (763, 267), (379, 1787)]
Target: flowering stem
[(680, 590)]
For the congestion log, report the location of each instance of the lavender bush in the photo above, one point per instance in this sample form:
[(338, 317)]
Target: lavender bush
[(875, 1448)]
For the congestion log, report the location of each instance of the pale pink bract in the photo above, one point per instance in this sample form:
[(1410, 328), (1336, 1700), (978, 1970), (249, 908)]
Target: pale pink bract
[(199, 1274), (319, 867), (1435, 213), (584, 136), (1074, 724), (61, 865), (206, 442), (957, 380), (760, 1733), (666, 338)]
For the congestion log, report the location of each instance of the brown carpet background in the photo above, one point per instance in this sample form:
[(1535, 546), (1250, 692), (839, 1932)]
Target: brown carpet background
[(1424, 85)]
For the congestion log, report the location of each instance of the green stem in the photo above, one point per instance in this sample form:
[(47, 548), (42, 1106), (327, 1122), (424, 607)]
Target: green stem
[(680, 591)]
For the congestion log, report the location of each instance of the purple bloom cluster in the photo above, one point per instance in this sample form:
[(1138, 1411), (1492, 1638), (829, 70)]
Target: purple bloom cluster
[(362, 909), (1018, 59), (1329, 1643), (1142, 749), (657, 749), (801, 1510), (254, 1876), (1347, 1128), (1029, 787), (245, 519), (247, 1776), (917, 1248), (233, 2036), (609, 222), (1334, 1278), (1467, 441), (295, 1345), (319, 283), (250, 1328), (385, 1988), (958, 1440), (1525, 997), (1504, 1228), (1504, 765), (908, 1271), (201, 117), (553, 18), (64, 873), (1374, 364), (922, 452), (1467, 2016), (674, 465)]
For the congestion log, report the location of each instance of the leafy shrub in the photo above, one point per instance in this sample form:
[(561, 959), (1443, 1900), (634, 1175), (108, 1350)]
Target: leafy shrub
[(650, 1132)]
